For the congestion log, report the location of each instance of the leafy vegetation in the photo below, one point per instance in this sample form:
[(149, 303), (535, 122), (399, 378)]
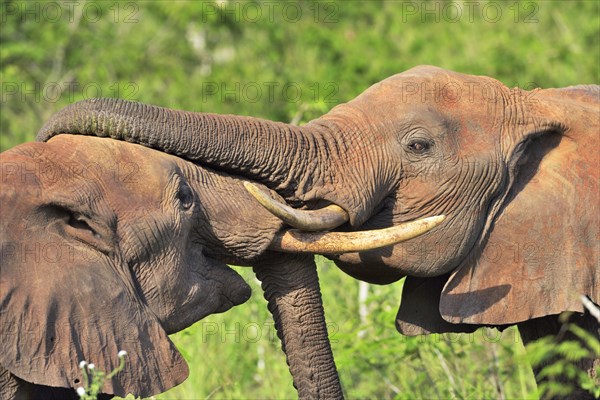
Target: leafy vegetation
[(293, 62), (561, 358)]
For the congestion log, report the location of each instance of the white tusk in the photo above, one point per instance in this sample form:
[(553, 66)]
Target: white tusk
[(323, 219), (293, 241)]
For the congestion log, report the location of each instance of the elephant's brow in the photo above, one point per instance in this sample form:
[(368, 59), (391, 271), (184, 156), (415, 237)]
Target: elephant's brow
[(90, 196), (450, 125), (195, 174)]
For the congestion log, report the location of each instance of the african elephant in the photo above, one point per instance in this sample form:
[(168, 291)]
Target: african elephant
[(515, 173), (104, 248), (110, 246)]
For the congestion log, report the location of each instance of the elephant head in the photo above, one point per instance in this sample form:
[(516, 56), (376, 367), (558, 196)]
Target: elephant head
[(515, 172), (110, 246)]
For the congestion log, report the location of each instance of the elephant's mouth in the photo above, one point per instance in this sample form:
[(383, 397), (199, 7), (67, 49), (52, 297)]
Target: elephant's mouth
[(220, 286), (239, 294), (232, 286), (205, 296)]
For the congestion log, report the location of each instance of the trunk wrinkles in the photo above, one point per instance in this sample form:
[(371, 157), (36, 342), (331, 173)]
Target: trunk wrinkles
[(322, 160), (291, 287), (286, 158)]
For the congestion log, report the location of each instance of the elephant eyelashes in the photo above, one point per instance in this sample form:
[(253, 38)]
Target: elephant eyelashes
[(419, 146)]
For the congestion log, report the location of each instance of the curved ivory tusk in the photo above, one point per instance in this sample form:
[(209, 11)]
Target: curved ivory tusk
[(293, 241), (323, 219)]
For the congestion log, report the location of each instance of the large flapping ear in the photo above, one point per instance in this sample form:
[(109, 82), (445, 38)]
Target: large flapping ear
[(419, 308), (63, 303), (543, 242)]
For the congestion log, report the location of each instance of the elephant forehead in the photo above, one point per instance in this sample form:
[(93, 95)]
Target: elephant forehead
[(106, 166), (435, 86)]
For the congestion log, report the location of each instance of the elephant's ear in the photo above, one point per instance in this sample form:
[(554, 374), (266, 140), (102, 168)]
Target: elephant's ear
[(544, 240), (62, 304), (419, 308)]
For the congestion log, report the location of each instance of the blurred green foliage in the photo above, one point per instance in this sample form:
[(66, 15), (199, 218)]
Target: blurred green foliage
[(274, 60), (293, 62), (561, 358)]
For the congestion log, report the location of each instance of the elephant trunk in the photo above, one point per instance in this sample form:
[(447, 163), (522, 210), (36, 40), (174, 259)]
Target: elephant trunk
[(277, 154), (317, 161), (291, 287)]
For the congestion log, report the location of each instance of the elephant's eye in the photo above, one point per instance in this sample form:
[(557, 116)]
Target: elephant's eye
[(80, 223), (185, 196), (419, 146)]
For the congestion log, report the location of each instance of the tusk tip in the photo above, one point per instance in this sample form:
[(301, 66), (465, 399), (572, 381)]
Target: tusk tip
[(437, 219), (255, 191), (432, 222), (249, 186)]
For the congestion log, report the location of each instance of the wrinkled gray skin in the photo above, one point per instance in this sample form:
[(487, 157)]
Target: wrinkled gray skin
[(110, 246), (421, 143)]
